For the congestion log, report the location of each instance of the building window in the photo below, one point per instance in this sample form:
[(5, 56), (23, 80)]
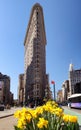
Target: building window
[(37, 13), (37, 56), (37, 92)]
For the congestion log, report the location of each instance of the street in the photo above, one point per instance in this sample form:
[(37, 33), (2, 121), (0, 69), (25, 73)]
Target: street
[(8, 123)]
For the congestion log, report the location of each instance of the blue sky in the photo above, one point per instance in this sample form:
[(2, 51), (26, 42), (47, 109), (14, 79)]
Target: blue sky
[(63, 32)]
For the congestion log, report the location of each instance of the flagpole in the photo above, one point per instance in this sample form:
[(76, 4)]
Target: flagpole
[(54, 90), (52, 82)]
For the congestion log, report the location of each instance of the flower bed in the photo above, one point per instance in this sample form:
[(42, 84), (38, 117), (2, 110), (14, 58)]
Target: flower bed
[(46, 117)]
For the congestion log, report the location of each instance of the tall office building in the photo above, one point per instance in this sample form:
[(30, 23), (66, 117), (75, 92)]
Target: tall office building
[(74, 80), (35, 57), (65, 90), (21, 89)]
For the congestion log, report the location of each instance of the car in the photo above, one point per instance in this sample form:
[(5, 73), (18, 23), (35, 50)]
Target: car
[(2, 107)]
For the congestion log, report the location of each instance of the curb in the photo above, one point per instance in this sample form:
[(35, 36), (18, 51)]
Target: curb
[(6, 116)]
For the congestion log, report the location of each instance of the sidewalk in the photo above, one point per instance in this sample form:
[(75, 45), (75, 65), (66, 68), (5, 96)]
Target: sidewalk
[(8, 112)]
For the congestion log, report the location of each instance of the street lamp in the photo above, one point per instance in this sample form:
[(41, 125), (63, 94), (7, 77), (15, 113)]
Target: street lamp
[(52, 82), (28, 100), (46, 93)]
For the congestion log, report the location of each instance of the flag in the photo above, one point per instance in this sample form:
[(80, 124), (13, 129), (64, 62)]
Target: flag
[(52, 82)]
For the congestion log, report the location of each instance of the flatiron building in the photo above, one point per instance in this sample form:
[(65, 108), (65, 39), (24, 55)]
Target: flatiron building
[(36, 85)]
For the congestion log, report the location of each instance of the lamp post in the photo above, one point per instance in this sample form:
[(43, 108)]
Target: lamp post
[(52, 82), (46, 93), (28, 100)]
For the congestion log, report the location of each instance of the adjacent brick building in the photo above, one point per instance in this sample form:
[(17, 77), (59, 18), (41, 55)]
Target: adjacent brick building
[(6, 96)]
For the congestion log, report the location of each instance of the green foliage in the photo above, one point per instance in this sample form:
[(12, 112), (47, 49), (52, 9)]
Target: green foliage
[(16, 128)]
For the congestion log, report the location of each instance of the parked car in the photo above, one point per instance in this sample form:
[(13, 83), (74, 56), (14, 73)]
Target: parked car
[(2, 107)]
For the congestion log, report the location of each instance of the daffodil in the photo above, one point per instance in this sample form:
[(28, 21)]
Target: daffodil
[(47, 117), (42, 123)]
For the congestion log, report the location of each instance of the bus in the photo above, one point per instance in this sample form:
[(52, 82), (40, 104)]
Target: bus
[(74, 101)]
